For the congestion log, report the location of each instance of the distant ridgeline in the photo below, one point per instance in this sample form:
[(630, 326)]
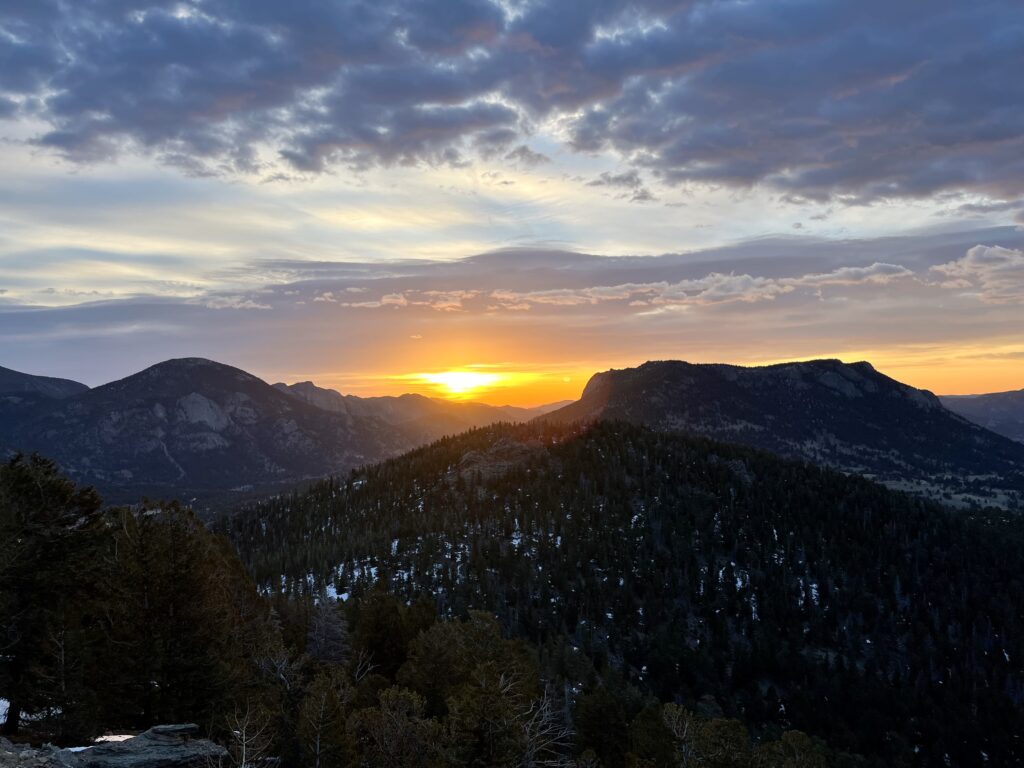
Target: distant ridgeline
[(784, 594), (210, 434), (213, 435)]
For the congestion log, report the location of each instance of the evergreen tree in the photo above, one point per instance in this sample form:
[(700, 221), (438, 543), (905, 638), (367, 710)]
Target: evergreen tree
[(49, 541)]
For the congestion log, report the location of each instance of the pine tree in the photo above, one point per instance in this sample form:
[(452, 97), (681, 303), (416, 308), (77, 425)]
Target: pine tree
[(49, 539)]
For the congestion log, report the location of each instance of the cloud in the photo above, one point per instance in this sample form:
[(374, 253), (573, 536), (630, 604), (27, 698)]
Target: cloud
[(630, 181), (441, 301), (770, 298), (713, 288), (850, 100), (993, 273), (232, 302), (526, 157)]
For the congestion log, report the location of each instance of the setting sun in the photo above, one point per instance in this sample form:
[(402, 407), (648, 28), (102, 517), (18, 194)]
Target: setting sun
[(456, 384)]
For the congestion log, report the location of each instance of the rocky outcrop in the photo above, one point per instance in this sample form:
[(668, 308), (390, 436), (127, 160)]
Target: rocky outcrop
[(163, 746)]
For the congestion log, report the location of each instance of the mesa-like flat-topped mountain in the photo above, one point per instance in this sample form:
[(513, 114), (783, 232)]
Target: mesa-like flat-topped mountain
[(17, 383), (1001, 412), (192, 427), (831, 413)]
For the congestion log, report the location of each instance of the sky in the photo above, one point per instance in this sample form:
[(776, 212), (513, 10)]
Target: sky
[(372, 195)]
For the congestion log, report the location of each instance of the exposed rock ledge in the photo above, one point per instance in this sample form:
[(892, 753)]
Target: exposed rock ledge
[(163, 746)]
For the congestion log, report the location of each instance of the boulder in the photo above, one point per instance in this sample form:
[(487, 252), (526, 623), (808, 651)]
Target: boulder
[(163, 746)]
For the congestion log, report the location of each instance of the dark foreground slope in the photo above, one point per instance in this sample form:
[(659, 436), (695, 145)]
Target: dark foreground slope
[(116, 619), (193, 427), (1001, 412), (847, 416), (792, 595)]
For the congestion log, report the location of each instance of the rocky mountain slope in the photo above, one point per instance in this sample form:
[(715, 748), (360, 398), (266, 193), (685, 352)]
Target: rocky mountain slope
[(198, 430), (419, 417), (848, 416), (1001, 412), (194, 428)]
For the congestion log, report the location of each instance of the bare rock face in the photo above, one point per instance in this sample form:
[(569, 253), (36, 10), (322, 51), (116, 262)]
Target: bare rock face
[(163, 746)]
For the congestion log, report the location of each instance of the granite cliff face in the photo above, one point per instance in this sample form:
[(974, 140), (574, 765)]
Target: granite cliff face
[(827, 412), (194, 428), (1001, 412)]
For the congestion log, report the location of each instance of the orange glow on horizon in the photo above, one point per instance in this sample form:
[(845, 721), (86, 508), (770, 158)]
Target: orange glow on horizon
[(943, 370), (459, 385)]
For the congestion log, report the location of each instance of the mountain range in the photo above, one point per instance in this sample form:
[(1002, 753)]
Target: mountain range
[(423, 419), (846, 416), (1001, 412), (207, 432)]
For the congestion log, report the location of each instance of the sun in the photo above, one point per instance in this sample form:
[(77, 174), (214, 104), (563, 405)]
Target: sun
[(457, 384)]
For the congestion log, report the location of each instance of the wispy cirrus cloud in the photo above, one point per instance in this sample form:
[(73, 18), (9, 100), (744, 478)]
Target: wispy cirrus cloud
[(714, 288)]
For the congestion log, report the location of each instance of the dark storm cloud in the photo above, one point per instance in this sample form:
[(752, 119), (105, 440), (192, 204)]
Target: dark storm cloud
[(849, 99)]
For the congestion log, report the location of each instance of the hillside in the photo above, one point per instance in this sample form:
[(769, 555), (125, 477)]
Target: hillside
[(1001, 412), (193, 427), (792, 595), (847, 416)]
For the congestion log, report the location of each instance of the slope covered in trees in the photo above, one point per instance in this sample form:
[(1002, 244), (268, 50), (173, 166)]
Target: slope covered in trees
[(122, 618), (787, 595)]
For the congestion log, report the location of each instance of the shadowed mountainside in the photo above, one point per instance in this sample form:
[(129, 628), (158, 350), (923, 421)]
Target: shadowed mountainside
[(1001, 412), (847, 416), (194, 427)]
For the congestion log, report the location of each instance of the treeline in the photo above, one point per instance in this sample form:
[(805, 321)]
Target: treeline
[(116, 619), (774, 592)]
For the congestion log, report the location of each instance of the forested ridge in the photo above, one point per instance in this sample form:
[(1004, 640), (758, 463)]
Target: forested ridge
[(779, 593), (121, 618)]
